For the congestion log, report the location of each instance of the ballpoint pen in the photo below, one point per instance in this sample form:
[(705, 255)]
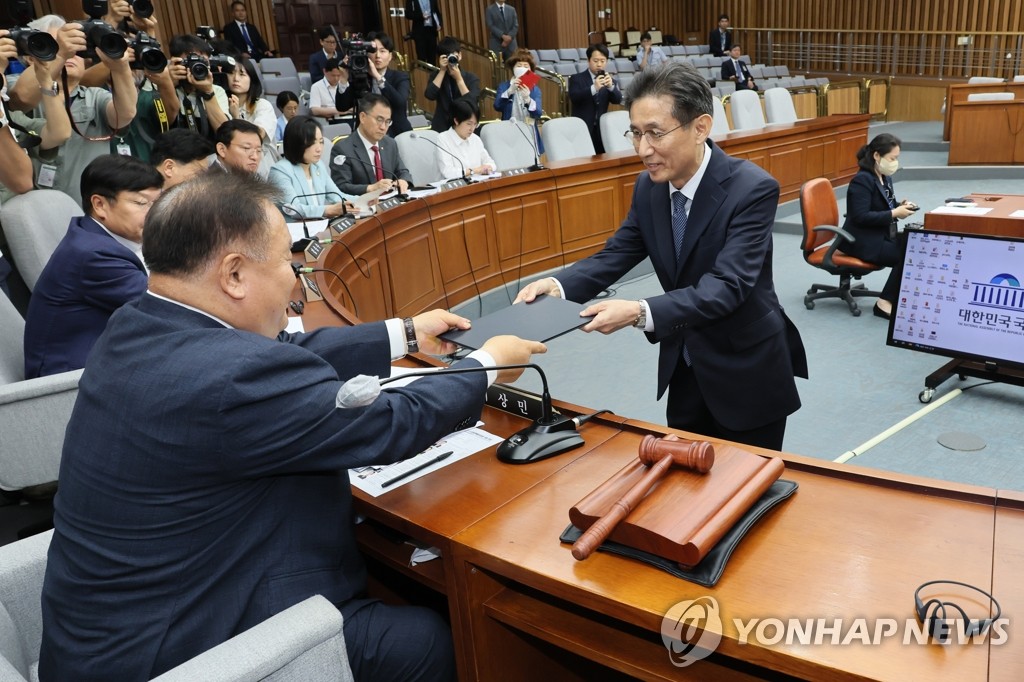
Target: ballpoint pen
[(419, 467)]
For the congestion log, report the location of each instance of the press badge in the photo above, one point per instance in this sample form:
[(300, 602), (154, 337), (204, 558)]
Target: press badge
[(47, 173), (124, 149)]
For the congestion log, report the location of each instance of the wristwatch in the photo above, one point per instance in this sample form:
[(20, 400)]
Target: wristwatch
[(207, 96), (641, 318), (411, 345), (52, 91)]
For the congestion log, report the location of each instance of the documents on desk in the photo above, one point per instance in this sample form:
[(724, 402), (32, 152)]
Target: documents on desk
[(961, 210), (462, 444), (362, 202), (306, 228)]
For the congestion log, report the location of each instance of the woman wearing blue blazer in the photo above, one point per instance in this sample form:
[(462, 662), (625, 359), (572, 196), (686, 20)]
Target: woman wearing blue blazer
[(514, 101), (305, 183)]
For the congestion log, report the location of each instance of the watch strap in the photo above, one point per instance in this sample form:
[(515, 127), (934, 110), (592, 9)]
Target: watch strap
[(411, 345)]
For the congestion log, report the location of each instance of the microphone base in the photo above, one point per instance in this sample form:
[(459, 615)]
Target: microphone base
[(301, 245), (537, 166), (539, 441)]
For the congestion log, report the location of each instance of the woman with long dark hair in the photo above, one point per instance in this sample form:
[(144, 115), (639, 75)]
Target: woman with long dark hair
[(245, 98)]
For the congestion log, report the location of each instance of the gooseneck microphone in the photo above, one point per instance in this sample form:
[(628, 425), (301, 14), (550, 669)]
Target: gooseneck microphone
[(300, 270), (339, 160), (532, 139), (546, 437), (465, 174)]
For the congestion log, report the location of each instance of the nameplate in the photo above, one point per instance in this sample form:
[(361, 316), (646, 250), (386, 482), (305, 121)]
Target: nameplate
[(311, 289), (515, 171), (389, 203), (453, 184), (342, 224), (313, 251), (514, 401)]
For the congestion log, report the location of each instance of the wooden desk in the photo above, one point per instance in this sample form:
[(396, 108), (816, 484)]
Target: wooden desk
[(956, 94), (452, 246), (996, 222), (987, 133)]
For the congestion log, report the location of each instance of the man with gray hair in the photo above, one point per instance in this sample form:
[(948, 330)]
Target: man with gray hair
[(204, 484), (728, 351)]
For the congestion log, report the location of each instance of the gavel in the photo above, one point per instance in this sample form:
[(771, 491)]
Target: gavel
[(659, 454)]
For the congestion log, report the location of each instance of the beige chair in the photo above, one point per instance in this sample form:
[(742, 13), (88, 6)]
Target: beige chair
[(34, 224), (746, 110)]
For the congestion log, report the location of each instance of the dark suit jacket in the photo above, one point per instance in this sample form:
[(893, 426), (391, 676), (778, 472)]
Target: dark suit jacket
[(317, 61), (715, 42), (88, 277), (728, 71), (204, 484), (869, 218), (414, 13), (356, 173), (233, 35), (447, 93), (396, 91), (721, 301), (590, 107), (498, 26)]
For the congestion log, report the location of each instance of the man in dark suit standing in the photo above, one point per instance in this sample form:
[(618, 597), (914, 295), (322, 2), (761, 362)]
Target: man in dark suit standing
[(204, 484), (96, 268), (591, 92), (720, 38), (245, 36), (368, 160), (502, 28), (425, 16), (728, 352), (733, 69)]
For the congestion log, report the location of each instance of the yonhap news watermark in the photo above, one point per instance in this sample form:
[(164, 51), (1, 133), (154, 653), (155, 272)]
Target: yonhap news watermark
[(691, 630)]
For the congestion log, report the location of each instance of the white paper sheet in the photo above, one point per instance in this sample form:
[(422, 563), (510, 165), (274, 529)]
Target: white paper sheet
[(298, 230), (961, 210), (1017, 214)]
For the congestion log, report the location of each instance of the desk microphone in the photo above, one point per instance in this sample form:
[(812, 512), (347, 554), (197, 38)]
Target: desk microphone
[(537, 165), (302, 270), (465, 174), (296, 215), (339, 160), (545, 437)]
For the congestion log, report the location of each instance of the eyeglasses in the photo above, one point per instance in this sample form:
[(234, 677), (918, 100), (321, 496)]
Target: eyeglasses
[(249, 151), (653, 138), (381, 121)]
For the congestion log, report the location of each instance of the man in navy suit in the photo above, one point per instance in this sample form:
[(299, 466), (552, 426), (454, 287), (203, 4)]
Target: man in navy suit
[(728, 352), (96, 268), (204, 483), (734, 69), (328, 50), (244, 35), (368, 160), (591, 92)]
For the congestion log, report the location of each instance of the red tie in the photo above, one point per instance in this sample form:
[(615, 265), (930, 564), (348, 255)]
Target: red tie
[(376, 162)]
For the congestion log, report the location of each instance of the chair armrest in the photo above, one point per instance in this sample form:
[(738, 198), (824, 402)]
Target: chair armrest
[(840, 235), (22, 566), (33, 417), (305, 642)]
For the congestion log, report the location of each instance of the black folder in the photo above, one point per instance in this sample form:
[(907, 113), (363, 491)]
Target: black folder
[(544, 319)]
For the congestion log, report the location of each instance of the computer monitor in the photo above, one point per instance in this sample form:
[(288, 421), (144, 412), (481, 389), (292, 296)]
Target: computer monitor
[(961, 296)]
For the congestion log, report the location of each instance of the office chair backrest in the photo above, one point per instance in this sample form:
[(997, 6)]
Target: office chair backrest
[(613, 126), (274, 85), (335, 130), (818, 206), (746, 110), (778, 104), (566, 138), (719, 122), (984, 79), (12, 343), (34, 224), (420, 156), (510, 148), (989, 96), (278, 66)]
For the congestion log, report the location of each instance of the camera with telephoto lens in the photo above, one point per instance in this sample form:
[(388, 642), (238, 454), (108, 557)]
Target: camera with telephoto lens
[(143, 9), (30, 41), (148, 55), (358, 51), (453, 59), (206, 32), (99, 35)]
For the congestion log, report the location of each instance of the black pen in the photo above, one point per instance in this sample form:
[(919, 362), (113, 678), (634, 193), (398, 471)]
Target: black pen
[(419, 467)]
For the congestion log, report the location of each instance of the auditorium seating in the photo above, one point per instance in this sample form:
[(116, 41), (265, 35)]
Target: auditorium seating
[(613, 126), (278, 66), (420, 156), (778, 106), (746, 110), (719, 124), (510, 148), (34, 224), (566, 138)]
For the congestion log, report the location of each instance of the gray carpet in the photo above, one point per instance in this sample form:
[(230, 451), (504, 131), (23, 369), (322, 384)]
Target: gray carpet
[(858, 386)]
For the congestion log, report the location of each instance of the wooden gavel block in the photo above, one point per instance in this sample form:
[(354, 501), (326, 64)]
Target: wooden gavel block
[(659, 454)]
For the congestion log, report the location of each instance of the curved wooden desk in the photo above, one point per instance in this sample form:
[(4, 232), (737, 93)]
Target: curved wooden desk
[(447, 248)]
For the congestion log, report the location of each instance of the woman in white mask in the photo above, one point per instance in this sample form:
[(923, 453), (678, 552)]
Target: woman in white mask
[(872, 212), (516, 98)]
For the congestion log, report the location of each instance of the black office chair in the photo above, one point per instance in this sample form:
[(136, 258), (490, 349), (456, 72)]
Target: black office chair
[(822, 239)]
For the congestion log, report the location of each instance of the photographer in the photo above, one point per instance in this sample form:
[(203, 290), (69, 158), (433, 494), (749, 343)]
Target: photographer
[(204, 106), (393, 84), (97, 114), (450, 84)]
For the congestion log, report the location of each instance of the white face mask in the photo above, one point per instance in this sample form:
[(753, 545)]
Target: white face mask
[(519, 71), (888, 166)]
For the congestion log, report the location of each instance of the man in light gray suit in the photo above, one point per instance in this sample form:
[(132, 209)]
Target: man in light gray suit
[(368, 160), (502, 27)]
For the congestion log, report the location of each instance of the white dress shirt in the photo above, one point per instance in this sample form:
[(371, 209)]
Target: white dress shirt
[(470, 151)]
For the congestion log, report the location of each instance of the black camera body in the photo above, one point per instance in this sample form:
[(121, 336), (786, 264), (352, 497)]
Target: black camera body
[(99, 35), (35, 43), (358, 51), (143, 9), (148, 55), (206, 32), (197, 66), (453, 59)]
